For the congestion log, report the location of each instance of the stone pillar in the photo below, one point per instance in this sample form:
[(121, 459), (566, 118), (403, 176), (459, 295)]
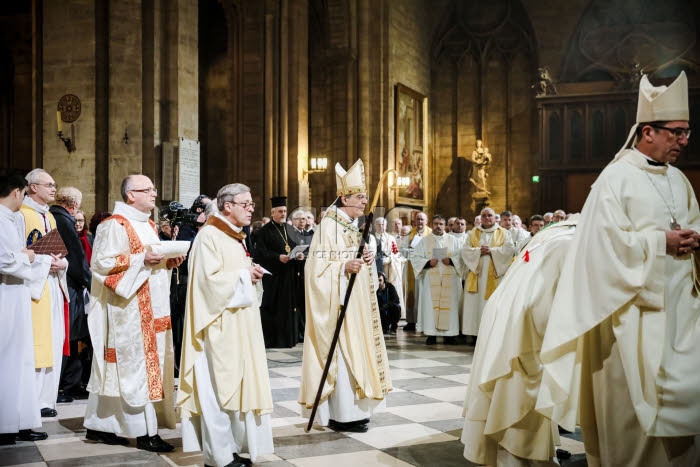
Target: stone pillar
[(125, 93), (68, 67), (298, 111)]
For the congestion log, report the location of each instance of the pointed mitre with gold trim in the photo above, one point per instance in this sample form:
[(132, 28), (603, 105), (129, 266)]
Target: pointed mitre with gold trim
[(352, 181), (659, 104)]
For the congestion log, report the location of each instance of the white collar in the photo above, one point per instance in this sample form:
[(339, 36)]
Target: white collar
[(7, 213), (345, 215), (236, 229), (130, 212), (492, 229), (36, 206)]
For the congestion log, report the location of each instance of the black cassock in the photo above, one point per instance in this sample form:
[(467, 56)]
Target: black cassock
[(279, 309)]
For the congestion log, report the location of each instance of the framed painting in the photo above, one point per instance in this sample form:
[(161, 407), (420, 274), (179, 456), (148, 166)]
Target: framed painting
[(410, 145)]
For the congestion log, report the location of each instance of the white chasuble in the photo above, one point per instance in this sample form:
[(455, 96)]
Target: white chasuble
[(361, 340), (620, 355), (506, 370), (483, 272)]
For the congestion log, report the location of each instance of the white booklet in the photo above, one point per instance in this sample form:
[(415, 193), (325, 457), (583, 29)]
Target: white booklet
[(171, 248), (297, 250), (439, 253)]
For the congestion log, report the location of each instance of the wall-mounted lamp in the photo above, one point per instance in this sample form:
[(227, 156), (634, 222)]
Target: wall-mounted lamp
[(401, 182), (68, 110), (70, 146), (316, 165)]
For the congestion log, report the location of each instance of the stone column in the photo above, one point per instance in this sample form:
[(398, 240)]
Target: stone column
[(68, 64)]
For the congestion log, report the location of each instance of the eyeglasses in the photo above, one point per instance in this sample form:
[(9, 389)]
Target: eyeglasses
[(147, 190), (245, 205), (47, 185), (80, 221), (678, 132), (360, 196)]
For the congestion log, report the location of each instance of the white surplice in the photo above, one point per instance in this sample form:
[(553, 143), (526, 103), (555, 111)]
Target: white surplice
[(621, 354), (19, 406), (443, 278)]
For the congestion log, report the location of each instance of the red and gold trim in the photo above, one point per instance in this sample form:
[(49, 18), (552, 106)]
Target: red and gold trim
[(162, 324), (110, 355), (148, 324)]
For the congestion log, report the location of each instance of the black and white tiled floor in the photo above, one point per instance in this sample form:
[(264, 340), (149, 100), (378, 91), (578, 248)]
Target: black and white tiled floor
[(421, 427)]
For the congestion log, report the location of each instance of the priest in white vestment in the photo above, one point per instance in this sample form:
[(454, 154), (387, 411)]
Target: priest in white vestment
[(392, 260), (359, 378), (418, 231), (459, 232), (224, 397), (131, 385), (49, 289), (519, 236), (486, 255), (437, 266), (501, 425), (19, 406), (621, 354)]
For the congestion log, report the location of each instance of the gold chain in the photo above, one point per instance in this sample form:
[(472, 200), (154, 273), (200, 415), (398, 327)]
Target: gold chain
[(286, 244)]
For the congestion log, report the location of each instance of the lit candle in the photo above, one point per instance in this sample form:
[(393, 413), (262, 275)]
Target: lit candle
[(59, 122)]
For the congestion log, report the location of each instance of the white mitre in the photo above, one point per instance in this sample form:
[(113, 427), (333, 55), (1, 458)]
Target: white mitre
[(660, 104), (352, 181)]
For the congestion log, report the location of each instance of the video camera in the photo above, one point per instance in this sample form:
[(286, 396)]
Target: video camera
[(179, 215)]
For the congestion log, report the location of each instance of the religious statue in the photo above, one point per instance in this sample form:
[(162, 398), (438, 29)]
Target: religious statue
[(481, 158), (544, 86)]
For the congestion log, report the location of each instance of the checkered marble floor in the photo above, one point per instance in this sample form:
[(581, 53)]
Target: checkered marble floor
[(421, 427)]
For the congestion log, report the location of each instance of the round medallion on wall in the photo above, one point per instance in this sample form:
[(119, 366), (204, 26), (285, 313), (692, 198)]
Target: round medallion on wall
[(69, 106)]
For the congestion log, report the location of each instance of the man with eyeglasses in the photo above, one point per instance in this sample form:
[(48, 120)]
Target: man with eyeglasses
[(621, 348), (49, 293), (358, 378), (131, 384), (225, 398)]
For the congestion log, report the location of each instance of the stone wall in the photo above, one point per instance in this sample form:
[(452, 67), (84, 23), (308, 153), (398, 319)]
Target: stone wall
[(409, 64)]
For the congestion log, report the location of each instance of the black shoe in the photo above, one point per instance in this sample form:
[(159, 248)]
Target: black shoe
[(64, 399), (431, 340), (352, 427), (471, 341), (47, 412), (241, 460), (105, 438), (563, 454), (564, 431), (233, 463), (31, 435), (410, 327), (7, 439), (153, 444), (450, 340)]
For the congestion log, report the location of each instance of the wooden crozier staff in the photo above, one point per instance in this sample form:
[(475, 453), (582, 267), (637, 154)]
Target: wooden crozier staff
[(341, 316)]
